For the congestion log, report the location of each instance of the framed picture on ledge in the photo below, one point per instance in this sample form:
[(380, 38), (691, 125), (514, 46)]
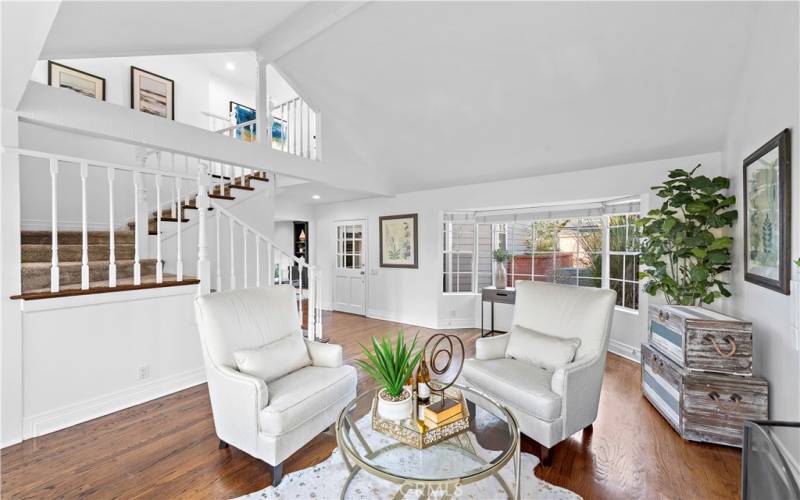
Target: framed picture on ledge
[(767, 214), (76, 80), (398, 241), (152, 94)]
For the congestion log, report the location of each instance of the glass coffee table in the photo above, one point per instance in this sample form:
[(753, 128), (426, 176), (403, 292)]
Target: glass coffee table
[(442, 467)]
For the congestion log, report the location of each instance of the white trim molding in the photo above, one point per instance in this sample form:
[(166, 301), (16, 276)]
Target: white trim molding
[(73, 414), (625, 350)]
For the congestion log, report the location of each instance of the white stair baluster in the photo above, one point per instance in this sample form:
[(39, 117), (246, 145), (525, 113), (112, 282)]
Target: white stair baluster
[(54, 283), (172, 203), (228, 174), (270, 275), (302, 133), (312, 304), (137, 268), (179, 261), (84, 229), (285, 116), (244, 256), (300, 291), (232, 256), (203, 264), (258, 261), (159, 265), (112, 265), (218, 216)]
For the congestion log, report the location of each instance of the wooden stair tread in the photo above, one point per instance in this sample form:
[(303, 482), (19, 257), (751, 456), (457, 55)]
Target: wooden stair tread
[(95, 287)]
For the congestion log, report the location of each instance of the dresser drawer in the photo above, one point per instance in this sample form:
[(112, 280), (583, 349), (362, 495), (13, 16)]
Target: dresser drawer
[(702, 340), (505, 296), (716, 406)]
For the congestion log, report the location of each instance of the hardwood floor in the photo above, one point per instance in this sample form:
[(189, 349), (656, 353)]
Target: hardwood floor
[(167, 448)]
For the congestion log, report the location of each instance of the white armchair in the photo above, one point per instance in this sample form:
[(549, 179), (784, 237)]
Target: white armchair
[(551, 398), (272, 419)]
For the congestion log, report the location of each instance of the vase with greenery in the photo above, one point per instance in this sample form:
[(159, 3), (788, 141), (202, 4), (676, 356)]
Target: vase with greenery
[(685, 245), (500, 256), (391, 363)]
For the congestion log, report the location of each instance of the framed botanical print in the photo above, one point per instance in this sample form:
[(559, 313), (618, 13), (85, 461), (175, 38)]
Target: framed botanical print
[(152, 94), (767, 206), (243, 114), (76, 80), (398, 241)]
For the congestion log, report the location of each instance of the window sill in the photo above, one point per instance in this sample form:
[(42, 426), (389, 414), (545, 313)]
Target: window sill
[(625, 310)]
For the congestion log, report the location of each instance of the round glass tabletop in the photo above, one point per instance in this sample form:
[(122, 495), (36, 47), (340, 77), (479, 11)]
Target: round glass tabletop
[(490, 442)]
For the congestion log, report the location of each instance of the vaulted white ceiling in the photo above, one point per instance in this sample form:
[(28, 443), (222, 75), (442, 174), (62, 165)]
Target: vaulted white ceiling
[(435, 94), (127, 28)]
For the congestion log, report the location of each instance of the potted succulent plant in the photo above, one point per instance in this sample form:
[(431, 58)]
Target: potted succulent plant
[(391, 363), (500, 256)]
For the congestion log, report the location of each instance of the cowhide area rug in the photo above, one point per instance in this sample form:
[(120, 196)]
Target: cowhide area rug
[(324, 481)]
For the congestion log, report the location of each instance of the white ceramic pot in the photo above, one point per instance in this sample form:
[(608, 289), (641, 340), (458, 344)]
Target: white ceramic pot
[(395, 410), (500, 276)]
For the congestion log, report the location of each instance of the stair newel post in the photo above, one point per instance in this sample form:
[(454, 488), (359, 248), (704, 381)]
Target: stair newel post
[(203, 264), (84, 229), (179, 240), (231, 223), (112, 264), (137, 227), (300, 266), (54, 283), (258, 261), (218, 216), (262, 102), (159, 265), (244, 256), (312, 303)]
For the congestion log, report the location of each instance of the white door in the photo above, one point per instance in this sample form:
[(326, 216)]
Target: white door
[(350, 279)]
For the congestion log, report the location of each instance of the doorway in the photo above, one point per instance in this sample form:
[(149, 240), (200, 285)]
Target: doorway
[(350, 279)]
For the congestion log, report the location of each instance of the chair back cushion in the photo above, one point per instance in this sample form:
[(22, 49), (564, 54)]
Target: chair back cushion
[(567, 312), (538, 349), (273, 361), (247, 318)]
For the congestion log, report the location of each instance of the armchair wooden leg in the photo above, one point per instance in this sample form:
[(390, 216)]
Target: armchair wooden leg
[(222, 444), (471, 409), (277, 474), (589, 429), (545, 455)]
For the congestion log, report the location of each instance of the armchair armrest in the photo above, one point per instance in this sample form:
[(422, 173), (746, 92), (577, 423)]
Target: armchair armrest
[(237, 399), (325, 355), (579, 383), (491, 347)]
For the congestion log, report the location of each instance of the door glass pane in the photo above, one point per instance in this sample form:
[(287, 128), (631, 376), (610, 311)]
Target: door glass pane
[(348, 261), (357, 262), (357, 246), (357, 230)]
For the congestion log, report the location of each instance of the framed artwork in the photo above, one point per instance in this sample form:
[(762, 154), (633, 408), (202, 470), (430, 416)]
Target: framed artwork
[(79, 81), (767, 206), (152, 94), (278, 132), (243, 114), (398, 241)]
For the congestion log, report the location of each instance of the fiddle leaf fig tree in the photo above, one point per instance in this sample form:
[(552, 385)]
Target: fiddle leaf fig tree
[(685, 245)]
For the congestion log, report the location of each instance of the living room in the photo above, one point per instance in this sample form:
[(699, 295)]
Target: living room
[(389, 249)]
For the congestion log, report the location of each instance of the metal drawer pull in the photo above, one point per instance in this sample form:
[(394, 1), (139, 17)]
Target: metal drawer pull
[(727, 338), (713, 395), (735, 397), (502, 294)]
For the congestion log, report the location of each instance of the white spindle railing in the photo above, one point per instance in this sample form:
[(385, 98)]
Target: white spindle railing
[(276, 259), (54, 224)]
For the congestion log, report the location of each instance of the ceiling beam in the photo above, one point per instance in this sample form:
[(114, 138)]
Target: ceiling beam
[(302, 26)]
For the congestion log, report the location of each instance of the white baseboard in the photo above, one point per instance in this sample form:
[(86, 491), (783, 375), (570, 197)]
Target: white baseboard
[(625, 350), (76, 413), (455, 323), (396, 318)]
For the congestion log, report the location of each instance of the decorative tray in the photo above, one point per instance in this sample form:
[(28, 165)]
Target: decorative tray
[(422, 433)]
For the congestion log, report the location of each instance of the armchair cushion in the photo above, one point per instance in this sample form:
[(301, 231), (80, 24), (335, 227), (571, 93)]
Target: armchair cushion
[(326, 355), (491, 347), (274, 360), (544, 351), (304, 394), (519, 384)]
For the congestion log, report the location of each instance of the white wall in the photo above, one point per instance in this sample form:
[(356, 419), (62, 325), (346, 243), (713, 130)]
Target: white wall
[(415, 296), (82, 355), (767, 103), (284, 234), (197, 87)]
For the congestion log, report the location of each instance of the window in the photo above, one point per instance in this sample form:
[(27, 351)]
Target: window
[(568, 251), (623, 259), (459, 244)]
